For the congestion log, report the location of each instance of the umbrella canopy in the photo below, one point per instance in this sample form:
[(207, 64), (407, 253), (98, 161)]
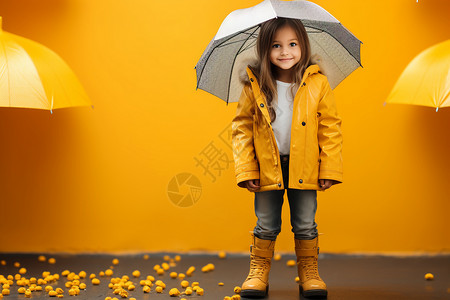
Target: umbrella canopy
[(426, 79), (33, 76), (335, 49)]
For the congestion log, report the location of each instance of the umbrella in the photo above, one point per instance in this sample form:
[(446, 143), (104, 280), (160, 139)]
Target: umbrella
[(33, 76), (426, 79), (335, 49)]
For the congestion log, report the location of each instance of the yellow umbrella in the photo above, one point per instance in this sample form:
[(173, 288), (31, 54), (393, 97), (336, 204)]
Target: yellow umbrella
[(426, 80), (33, 76)]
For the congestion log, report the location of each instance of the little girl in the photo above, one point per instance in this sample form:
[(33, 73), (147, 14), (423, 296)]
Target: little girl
[(286, 136)]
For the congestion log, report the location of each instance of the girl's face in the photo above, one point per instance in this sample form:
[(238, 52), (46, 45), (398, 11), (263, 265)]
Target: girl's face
[(285, 51)]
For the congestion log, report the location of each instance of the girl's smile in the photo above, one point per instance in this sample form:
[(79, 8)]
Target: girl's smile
[(285, 52)]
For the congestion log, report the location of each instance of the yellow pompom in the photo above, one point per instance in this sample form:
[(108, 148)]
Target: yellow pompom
[(146, 289), (291, 263), (200, 291), (174, 292)]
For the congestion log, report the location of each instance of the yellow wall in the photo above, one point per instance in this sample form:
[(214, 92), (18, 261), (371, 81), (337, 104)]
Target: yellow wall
[(97, 179)]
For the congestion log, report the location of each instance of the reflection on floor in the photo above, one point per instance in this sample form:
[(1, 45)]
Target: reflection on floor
[(347, 277)]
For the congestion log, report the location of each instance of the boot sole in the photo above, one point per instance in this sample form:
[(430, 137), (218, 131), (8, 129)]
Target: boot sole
[(313, 293), (255, 293)]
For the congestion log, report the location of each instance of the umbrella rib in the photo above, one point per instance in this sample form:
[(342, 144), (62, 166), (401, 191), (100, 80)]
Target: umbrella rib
[(230, 43), (212, 51), (323, 30), (234, 59)]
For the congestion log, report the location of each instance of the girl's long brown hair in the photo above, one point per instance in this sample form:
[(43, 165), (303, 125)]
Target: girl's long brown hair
[(264, 70)]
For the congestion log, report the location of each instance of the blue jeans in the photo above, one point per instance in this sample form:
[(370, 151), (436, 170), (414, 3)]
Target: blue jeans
[(302, 203)]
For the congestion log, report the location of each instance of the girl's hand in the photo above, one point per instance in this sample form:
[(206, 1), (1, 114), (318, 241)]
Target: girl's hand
[(252, 185), (326, 183)]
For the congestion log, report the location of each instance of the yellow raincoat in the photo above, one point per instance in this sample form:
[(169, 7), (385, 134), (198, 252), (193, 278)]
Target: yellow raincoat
[(316, 139)]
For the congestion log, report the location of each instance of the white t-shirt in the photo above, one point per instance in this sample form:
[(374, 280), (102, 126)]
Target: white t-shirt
[(282, 124)]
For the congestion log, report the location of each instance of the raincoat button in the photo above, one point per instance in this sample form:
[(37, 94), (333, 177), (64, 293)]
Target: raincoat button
[(262, 105), (303, 123), (304, 83), (251, 79), (279, 184), (301, 181)]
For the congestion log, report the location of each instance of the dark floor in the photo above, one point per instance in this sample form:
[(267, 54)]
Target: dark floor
[(347, 277)]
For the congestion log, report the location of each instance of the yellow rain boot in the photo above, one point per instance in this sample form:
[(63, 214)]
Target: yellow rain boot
[(310, 285), (256, 285)]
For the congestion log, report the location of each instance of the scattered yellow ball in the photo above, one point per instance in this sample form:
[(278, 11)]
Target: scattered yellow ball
[(48, 288), (65, 272), (21, 290), (28, 293), (227, 298), (136, 273), (277, 257), (237, 289), (151, 278), (429, 276), (17, 264), (5, 292), (220, 284), (173, 275), (51, 261), (156, 267), (52, 293), (297, 279), (208, 268), (235, 297), (22, 271), (177, 258), (166, 257), (181, 276), (200, 291), (115, 261), (131, 287), (159, 289), (82, 274), (109, 272), (3, 262), (184, 284), (38, 288), (195, 283), (146, 256), (92, 276), (160, 271), (83, 286), (165, 266), (190, 271), (188, 291), (101, 273), (95, 281), (42, 258), (174, 292), (291, 263), (222, 254), (146, 289), (59, 291)]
